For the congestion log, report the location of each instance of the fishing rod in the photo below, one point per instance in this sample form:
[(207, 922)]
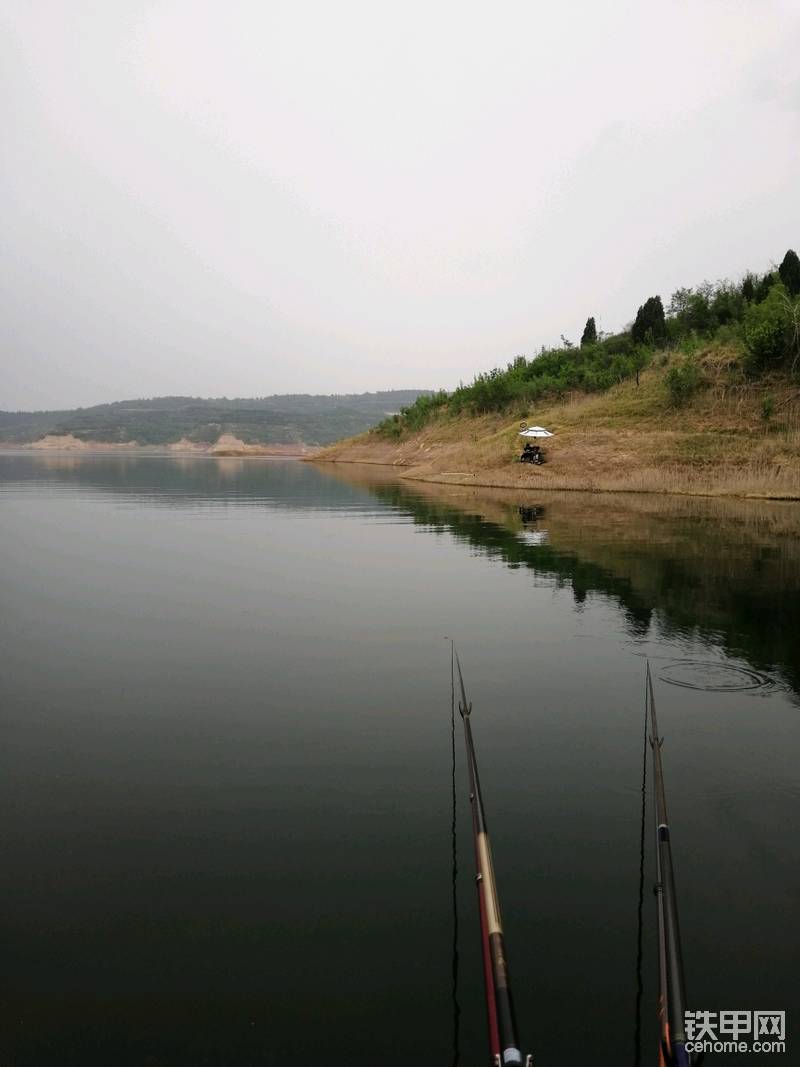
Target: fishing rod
[(671, 982), (504, 1044)]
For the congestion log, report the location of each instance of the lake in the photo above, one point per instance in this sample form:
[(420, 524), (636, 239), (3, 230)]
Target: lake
[(226, 771)]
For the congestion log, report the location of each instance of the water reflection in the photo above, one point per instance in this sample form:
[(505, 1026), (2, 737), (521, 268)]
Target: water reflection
[(181, 481), (722, 570), (725, 571)]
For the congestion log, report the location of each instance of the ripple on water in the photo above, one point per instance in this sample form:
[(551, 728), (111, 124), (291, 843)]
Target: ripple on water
[(714, 677)]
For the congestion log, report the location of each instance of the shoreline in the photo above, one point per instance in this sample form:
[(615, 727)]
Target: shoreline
[(470, 479)]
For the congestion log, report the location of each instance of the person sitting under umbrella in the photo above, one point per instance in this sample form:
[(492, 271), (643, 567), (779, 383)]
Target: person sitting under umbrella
[(533, 453)]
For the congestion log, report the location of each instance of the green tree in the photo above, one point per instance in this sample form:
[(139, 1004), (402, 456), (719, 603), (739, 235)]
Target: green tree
[(789, 271), (679, 304), (589, 335), (640, 359), (649, 326), (764, 285), (770, 330)]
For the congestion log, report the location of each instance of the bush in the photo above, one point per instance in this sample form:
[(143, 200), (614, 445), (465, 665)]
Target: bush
[(690, 343), (763, 287), (767, 331), (391, 428), (620, 344), (730, 334), (683, 381)]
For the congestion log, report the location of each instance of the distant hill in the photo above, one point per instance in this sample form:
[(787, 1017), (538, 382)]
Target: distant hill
[(296, 418)]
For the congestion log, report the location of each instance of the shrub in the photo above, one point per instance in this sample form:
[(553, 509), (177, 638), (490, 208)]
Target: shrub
[(768, 330), (727, 304), (690, 343), (391, 428), (763, 287), (618, 344), (730, 334), (748, 289), (683, 381)]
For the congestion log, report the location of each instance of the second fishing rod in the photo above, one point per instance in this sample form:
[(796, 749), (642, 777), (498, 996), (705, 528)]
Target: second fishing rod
[(504, 1042), (671, 981)]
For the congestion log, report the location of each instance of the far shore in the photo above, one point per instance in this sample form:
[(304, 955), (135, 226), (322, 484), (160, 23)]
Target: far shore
[(226, 446)]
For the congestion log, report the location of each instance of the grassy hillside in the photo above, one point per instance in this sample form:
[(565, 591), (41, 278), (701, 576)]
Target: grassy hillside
[(733, 436), (758, 318), (700, 397), (293, 419)]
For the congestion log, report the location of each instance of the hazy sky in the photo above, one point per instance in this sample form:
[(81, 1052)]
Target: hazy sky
[(239, 198)]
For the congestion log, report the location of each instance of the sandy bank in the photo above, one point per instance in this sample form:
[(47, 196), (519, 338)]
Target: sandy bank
[(226, 445), (69, 443)]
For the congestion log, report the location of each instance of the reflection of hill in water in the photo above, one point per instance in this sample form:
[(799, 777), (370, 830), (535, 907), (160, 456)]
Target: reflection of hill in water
[(726, 570)]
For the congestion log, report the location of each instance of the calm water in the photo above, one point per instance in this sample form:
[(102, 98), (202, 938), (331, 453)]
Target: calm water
[(226, 777)]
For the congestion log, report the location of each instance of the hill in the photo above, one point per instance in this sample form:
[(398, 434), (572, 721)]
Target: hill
[(295, 419), (699, 398), (630, 438)]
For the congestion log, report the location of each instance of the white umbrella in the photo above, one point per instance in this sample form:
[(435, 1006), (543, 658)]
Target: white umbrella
[(535, 431)]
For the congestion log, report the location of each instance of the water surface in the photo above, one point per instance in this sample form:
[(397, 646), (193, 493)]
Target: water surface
[(226, 771)]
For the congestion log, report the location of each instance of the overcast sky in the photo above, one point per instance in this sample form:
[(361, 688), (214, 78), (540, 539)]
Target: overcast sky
[(240, 198)]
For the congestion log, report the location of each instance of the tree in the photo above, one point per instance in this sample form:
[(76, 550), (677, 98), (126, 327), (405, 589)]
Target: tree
[(589, 335), (789, 271), (764, 285), (772, 331), (649, 325), (749, 287), (679, 303), (698, 315), (640, 354)]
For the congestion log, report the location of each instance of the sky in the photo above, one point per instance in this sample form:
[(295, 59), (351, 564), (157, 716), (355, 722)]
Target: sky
[(246, 198)]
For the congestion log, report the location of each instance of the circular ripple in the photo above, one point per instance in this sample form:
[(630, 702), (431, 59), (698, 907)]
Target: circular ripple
[(712, 677)]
